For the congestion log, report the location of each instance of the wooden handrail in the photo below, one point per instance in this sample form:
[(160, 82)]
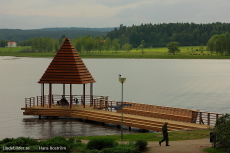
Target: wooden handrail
[(208, 118)]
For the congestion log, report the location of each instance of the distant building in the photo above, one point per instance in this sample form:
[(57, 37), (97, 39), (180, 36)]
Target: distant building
[(11, 44)]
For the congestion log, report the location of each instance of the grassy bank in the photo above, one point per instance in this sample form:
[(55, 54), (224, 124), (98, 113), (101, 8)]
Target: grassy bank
[(187, 52), (124, 55), (173, 136)]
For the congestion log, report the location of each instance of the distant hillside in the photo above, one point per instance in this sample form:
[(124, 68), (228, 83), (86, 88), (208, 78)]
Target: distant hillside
[(78, 28), (18, 35), (158, 35)]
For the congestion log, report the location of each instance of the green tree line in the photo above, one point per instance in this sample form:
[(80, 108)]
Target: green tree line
[(41, 44), (19, 35), (158, 35), (82, 44)]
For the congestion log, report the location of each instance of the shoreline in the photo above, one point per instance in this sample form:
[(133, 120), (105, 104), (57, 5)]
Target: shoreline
[(118, 56)]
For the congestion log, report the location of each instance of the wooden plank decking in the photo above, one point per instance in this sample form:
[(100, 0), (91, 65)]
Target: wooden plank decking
[(88, 113)]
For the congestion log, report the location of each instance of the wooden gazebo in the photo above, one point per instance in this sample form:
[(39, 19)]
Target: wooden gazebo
[(66, 68)]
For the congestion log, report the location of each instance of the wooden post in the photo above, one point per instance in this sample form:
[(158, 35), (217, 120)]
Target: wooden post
[(94, 103), (84, 95), (71, 99), (52, 99), (50, 94), (91, 94), (200, 117), (208, 118), (30, 102), (43, 95), (38, 100), (217, 116), (63, 89)]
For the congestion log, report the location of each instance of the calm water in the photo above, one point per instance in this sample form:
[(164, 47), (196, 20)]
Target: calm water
[(195, 84)]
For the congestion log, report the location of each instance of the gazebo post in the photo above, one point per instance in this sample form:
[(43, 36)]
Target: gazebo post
[(43, 95), (71, 99), (84, 95), (63, 89), (50, 94), (91, 94)]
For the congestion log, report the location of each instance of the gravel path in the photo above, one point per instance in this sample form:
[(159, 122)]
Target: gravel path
[(186, 146)]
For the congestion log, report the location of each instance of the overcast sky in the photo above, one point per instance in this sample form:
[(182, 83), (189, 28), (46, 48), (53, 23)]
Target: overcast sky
[(35, 14)]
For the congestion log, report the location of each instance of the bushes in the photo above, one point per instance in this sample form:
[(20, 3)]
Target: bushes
[(141, 144), (99, 143), (107, 145), (21, 141), (59, 144), (27, 144), (122, 148), (222, 132), (20, 144), (96, 145)]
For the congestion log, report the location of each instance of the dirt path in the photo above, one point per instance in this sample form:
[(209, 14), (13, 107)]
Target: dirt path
[(186, 146)]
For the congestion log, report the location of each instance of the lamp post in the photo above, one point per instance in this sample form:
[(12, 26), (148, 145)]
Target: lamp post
[(122, 80)]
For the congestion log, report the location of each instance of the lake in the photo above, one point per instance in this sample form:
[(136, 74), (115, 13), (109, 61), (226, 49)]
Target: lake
[(194, 84)]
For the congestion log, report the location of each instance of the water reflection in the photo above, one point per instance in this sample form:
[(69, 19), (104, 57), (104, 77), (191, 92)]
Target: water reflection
[(67, 127)]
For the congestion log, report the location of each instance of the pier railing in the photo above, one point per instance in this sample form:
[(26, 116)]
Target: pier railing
[(171, 113), (102, 103), (208, 118), (29, 101)]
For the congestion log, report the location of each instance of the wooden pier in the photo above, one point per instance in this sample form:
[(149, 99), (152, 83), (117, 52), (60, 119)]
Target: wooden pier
[(101, 111)]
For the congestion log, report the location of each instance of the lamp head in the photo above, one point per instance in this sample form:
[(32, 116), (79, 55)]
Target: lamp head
[(122, 80)]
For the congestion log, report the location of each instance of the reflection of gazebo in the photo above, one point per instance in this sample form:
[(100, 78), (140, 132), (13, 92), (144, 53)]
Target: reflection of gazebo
[(67, 68)]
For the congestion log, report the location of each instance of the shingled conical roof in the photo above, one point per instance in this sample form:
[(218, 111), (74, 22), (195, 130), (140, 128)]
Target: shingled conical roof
[(67, 67)]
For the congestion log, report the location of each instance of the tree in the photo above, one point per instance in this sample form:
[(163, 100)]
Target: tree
[(107, 44), (142, 45), (99, 43), (3, 43), (217, 43), (222, 133), (115, 44), (61, 40), (227, 43), (201, 49), (127, 47), (123, 40), (173, 47)]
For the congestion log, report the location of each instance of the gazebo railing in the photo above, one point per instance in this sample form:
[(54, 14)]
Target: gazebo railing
[(32, 101)]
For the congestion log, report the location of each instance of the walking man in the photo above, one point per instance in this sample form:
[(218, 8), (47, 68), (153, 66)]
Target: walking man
[(165, 134)]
